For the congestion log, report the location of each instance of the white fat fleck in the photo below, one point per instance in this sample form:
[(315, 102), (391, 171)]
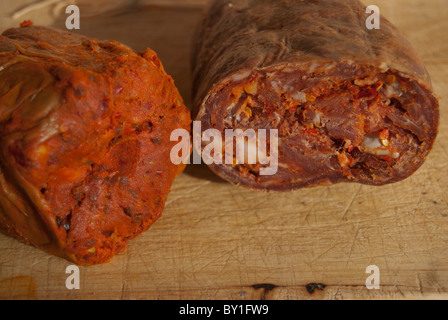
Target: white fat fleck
[(366, 82), (231, 106), (277, 120), (317, 119), (201, 113), (329, 66), (313, 67), (238, 117), (281, 87), (276, 85), (289, 69), (373, 145), (228, 120), (371, 142), (384, 67), (283, 165), (396, 155), (229, 109), (299, 96), (240, 76), (393, 90)]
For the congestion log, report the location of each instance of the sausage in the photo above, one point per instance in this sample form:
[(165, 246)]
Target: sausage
[(350, 104), (85, 142)]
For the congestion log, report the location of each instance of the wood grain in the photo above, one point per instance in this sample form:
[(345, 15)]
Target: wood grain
[(218, 241)]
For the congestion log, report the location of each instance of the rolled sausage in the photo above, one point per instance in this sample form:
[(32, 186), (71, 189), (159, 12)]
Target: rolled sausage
[(84, 142), (349, 104)]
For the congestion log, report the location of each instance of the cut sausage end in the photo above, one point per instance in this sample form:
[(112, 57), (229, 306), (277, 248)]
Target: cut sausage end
[(341, 122)]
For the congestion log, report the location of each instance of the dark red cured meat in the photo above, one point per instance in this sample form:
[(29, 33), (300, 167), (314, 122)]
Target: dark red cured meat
[(312, 70)]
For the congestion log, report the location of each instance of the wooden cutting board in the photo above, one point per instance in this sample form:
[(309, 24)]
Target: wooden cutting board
[(218, 241)]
